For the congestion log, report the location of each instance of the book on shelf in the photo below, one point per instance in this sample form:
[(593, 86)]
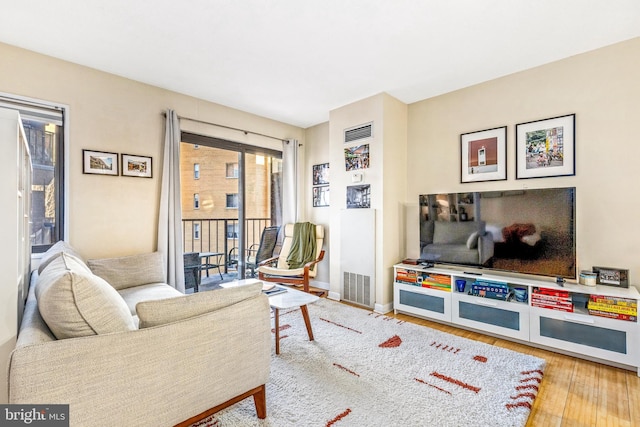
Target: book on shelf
[(624, 302), (610, 315), (612, 308), (568, 309)]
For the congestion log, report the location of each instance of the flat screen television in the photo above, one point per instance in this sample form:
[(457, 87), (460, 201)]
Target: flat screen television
[(529, 231)]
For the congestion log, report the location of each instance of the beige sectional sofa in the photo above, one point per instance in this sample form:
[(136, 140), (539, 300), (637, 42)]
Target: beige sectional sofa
[(121, 347)]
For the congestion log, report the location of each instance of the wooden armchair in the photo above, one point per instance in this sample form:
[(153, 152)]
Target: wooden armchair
[(276, 269)]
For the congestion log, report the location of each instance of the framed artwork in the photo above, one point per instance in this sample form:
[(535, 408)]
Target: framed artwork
[(356, 157), (321, 174), (358, 196), (546, 148), (321, 196), (483, 155), (139, 166), (99, 163)]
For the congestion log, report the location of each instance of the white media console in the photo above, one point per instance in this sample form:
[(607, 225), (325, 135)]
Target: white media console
[(570, 328)]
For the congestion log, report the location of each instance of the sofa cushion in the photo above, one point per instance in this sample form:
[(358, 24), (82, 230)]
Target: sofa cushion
[(134, 270), (55, 251), (75, 303), (160, 312), (151, 291), (453, 232)]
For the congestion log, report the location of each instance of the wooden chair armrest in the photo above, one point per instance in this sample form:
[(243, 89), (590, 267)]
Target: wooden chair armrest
[(268, 261)]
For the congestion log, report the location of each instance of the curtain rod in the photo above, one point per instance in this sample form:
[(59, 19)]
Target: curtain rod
[(227, 127)]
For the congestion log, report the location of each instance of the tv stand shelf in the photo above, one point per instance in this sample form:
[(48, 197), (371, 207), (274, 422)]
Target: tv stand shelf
[(593, 322)]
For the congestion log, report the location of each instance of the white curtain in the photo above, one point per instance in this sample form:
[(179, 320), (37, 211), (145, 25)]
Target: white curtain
[(170, 218), (291, 187)]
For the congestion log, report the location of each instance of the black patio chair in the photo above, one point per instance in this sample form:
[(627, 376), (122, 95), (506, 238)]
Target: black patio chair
[(192, 271), (264, 250)]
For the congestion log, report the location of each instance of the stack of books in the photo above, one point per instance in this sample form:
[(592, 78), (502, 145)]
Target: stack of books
[(407, 276), (551, 298), (488, 289), (437, 281), (613, 308)]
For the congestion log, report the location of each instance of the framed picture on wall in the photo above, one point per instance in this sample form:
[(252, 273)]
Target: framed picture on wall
[(321, 174), (483, 155), (321, 196), (356, 157), (546, 148), (99, 163), (138, 166)]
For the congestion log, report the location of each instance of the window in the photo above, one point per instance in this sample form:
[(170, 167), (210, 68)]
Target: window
[(196, 231), (44, 127), (232, 231), (196, 171), (196, 201), (232, 201), (232, 170)]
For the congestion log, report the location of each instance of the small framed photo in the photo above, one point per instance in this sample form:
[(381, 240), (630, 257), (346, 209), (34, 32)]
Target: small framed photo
[(546, 148), (483, 155), (321, 196), (139, 166), (321, 174), (359, 196), (612, 276), (99, 163), (356, 157)]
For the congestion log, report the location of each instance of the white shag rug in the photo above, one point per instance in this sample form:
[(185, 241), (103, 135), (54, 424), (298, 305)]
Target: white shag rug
[(366, 369)]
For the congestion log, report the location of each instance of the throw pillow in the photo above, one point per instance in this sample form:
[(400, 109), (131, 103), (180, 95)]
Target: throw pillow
[(128, 271), (55, 251), (160, 312), (472, 241), (75, 303)]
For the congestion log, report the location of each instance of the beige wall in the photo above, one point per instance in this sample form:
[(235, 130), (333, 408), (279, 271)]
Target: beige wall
[(118, 215), (317, 152), (601, 87)]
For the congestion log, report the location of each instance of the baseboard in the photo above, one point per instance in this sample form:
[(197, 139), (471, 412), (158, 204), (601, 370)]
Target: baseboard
[(319, 285), (383, 308), (334, 296)]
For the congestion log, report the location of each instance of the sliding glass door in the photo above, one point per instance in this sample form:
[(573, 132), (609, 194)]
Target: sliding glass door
[(230, 193)]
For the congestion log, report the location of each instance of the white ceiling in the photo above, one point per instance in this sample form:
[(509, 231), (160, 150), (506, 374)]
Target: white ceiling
[(295, 60)]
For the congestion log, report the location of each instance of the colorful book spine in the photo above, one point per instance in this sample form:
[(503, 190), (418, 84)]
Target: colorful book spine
[(617, 316), (611, 308)]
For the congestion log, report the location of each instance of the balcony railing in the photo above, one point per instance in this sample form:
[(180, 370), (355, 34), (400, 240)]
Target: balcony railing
[(220, 235)]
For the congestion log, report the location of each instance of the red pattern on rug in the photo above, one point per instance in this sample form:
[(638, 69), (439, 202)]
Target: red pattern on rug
[(342, 326), (431, 385), (210, 421), (392, 342), (479, 358), (526, 399), (339, 417), (456, 382), (345, 369), (387, 318), (444, 347)]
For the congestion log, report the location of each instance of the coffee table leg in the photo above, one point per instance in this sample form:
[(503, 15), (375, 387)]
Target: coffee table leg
[(307, 321), (277, 322)]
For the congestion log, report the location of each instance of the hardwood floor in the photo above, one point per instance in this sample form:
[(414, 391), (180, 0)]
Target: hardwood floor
[(574, 392)]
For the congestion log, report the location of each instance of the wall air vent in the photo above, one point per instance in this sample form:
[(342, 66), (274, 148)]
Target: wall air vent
[(358, 132), (356, 288)]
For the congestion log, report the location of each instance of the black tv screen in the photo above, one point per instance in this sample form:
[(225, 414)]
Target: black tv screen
[(528, 231)]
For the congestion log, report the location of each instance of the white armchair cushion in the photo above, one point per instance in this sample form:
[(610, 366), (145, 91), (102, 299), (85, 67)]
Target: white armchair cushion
[(163, 311), (128, 271), (75, 303)]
